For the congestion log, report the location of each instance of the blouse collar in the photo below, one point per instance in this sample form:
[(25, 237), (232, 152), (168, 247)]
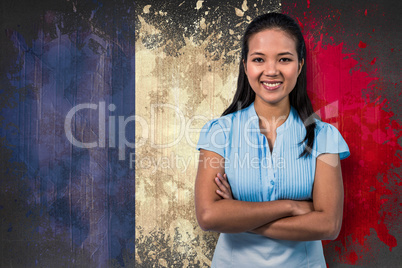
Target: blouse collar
[(252, 115)]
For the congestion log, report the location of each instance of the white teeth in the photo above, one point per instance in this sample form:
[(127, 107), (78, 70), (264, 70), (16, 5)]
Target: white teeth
[(271, 84)]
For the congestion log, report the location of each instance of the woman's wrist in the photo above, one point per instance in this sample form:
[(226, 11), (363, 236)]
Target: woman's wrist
[(293, 210), (289, 207), (301, 207)]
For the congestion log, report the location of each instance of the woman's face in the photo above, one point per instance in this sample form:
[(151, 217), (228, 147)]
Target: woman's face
[(272, 65)]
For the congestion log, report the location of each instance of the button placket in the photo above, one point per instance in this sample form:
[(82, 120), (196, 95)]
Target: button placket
[(263, 170), (275, 159), (269, 180)]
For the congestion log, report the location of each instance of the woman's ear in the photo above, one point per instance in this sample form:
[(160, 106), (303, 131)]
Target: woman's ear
[(301, 66)]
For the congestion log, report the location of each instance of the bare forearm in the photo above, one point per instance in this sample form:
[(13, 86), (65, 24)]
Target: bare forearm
[(325, 221), (312, 226), (233, 216)]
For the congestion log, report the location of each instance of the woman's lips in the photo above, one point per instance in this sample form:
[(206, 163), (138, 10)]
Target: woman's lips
[(271, 85)]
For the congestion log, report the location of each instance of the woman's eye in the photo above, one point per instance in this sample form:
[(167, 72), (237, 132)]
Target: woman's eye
[(258, 60), (285, 60)]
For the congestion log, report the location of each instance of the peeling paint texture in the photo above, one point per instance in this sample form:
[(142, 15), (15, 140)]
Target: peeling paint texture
[(187, 56)]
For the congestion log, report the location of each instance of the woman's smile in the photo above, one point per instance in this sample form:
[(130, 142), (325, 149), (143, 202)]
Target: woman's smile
[(271, 85)]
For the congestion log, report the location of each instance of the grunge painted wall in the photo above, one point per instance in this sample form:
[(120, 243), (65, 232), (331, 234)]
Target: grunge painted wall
[(171, 66), (64, 205)]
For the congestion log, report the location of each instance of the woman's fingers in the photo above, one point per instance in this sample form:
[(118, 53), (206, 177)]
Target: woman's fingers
[(224, 181), (221, 186), (224, 187), (223, 195)]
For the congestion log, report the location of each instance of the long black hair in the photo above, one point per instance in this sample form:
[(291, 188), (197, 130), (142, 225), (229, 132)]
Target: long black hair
[(298, 97)]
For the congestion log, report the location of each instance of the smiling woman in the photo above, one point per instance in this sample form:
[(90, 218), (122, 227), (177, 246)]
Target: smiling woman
[(270, 215), (272, 67)]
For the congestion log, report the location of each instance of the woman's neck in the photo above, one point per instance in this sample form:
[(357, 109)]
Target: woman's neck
[(272, 116)]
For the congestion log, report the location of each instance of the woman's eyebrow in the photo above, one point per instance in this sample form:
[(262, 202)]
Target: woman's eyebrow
[(256, 53), (279, 54), (285, 53)]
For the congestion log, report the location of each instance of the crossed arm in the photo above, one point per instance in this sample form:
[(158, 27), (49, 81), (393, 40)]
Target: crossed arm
[(282, 219)]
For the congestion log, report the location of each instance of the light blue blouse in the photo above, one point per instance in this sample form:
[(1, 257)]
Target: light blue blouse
[(256, 174)]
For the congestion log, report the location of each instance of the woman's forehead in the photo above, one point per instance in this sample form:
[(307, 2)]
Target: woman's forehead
[(271, 40)]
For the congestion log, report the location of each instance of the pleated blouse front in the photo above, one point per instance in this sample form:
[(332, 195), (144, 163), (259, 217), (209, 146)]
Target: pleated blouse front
[(256, 174)]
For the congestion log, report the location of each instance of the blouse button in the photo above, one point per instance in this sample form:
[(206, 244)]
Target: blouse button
[(272, 182)]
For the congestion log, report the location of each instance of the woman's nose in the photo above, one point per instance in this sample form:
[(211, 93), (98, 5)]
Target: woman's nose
[(270, 68)]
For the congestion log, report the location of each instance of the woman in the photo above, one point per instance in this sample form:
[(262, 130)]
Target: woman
[(269, 176)]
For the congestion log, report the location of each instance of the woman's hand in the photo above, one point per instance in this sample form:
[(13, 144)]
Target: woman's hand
[(224, 190)]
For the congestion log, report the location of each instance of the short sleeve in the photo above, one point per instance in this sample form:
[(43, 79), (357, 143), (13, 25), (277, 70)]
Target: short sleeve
[(329, 140), (212, 138)]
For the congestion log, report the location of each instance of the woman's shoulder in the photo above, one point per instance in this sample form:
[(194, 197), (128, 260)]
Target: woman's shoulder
[(329, 140), (214, 134), (219, 122), (322, 126)]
